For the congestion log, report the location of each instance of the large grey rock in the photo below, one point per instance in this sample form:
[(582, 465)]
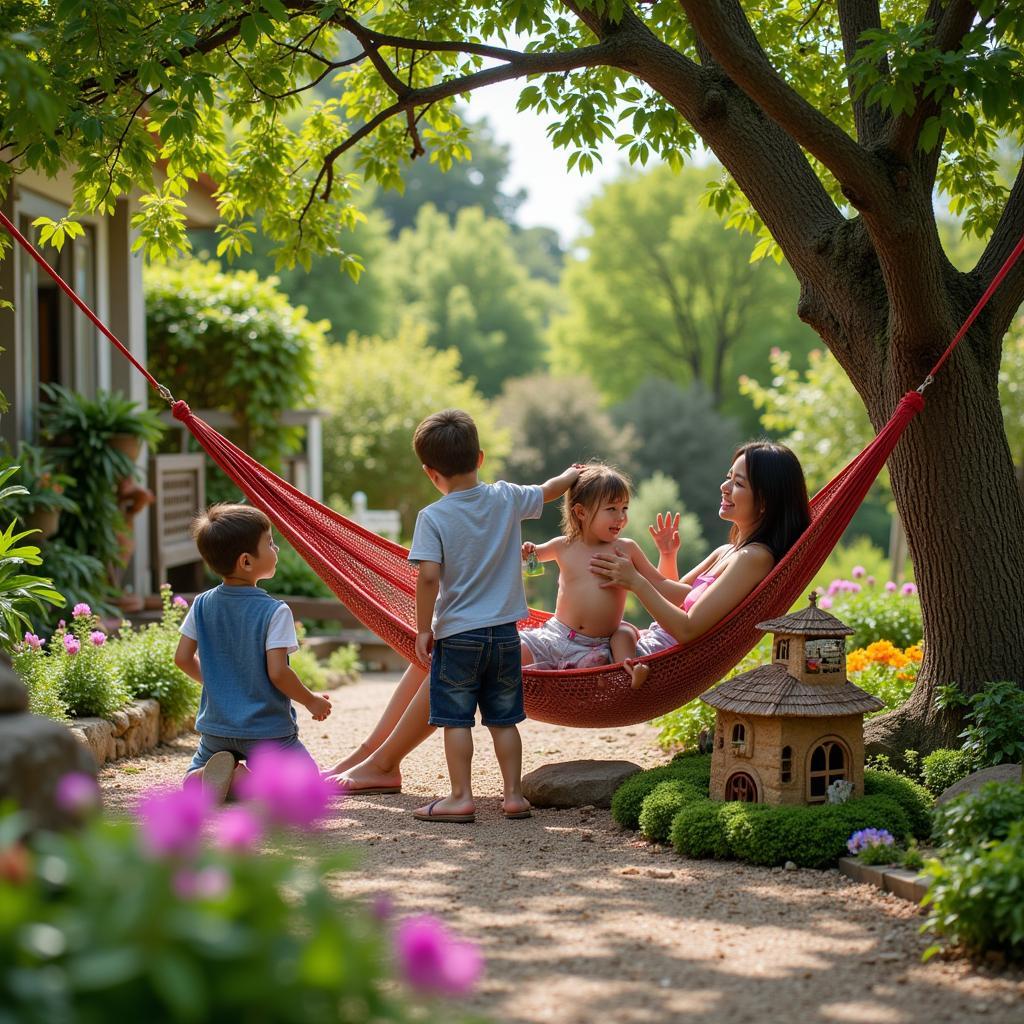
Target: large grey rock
[(35, 753), (973, 782), (96, 735), (577, 783)]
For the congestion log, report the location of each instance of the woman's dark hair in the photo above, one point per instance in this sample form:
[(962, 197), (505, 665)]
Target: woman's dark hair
[(780, 493)]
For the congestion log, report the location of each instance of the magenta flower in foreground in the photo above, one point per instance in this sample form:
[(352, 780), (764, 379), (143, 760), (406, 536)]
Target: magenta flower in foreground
[(97, 638), (205, 884), (33, 641), (432, 959), (172, 819), (71, 643), (288, 784), (80, 609), (77, 793), (237, 829)]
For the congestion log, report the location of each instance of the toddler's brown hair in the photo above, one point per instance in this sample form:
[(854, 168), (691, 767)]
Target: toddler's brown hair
[(597, 483)]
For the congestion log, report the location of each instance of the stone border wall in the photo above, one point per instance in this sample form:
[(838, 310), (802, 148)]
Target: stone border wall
[(134, 729)]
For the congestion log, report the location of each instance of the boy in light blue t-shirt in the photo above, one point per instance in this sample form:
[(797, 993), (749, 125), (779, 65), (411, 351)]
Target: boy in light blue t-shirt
[(469, 596), (235, 641)]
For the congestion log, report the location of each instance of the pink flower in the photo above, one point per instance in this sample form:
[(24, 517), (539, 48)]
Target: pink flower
[(237, 829), (172, 819), (858, 571), (890, 586), (870, 581), (205, 884), (71, 643), (825, 603), (908, 588), (62, 624), (853, 588), (179, 601), (288, 784), (432, 959), (97, 638), (80, 609), (77, 793), (382, 907), (835, 586), (33, 641)]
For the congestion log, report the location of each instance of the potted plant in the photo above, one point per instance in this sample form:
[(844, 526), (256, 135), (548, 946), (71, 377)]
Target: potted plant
[(121, 423), (45, 491)]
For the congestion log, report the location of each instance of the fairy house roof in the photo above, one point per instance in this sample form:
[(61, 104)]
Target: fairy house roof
[(809, 621), (772, 691)]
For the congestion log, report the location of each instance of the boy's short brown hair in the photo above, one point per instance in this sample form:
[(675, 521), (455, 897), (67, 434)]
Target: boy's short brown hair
[(225, 532), (597, 483), (447, 441)]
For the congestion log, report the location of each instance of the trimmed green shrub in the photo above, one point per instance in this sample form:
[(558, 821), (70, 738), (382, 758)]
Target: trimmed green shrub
[(629, 797), (942, 767), (811, 837), (976, 818), (915, 800), (662, 804), (975, 893), (305, 665), (698, 830)]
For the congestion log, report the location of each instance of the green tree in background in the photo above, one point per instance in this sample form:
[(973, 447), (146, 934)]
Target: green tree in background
[(374, 391), (660, 493), (664, 289), (684, 437), (462, 279)]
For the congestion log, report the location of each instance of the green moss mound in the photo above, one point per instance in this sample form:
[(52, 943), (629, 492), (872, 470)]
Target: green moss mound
[(698, 831), (915, 800), (663, 803), (628, 800)]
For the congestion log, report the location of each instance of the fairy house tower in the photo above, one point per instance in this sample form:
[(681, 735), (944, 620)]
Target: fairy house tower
[(785, 732)]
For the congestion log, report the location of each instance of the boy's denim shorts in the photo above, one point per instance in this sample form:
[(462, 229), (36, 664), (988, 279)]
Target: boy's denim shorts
[(240, 747), (481, 666)]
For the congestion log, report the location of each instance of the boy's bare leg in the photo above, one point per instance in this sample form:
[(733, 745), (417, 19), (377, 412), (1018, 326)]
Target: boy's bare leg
[(408, 687), (383, 768), (508, 749), (623, 645), (458, 752)]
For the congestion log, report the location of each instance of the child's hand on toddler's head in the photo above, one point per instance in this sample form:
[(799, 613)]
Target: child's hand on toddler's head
[(666, 533), (424, 645), (319, 707)]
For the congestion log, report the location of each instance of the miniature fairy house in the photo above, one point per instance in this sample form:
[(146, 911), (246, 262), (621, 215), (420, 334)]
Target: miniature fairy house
[(785, 732)]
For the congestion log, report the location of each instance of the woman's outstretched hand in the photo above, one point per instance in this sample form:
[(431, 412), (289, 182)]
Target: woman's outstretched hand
[(665, 532), (617, 569)]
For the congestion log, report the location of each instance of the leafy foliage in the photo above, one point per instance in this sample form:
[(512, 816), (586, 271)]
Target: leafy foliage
[(659, 493), (995, 730), (627, 802), (942, 767), (662, 804), (973, 819), (915, 800)]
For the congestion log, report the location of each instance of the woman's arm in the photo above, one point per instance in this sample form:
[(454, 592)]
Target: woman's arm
[(744, 571)]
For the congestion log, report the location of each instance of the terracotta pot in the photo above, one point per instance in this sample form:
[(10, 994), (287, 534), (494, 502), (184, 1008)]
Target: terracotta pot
[(45, 520), (127, 443)]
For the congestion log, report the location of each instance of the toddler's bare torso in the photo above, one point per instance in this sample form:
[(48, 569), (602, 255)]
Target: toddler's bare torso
[(583, 604)]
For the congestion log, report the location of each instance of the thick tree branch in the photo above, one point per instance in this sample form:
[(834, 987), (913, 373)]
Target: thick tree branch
[(1006, 301), (952, 20), (723, 26), (855, 18), (371, 44)]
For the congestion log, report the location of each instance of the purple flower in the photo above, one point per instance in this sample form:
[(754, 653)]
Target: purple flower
[(433, 960), (71, 643), (77, 793), (237, 829), (835, 586), (288, 784), (205, 884), (870, 581), (80, 609), (382, 907), (179, 601), (824, 603), (97, 638), (172, 819), (908, 588), (858, 571), (62, 624), (853, 588), (33, 641), (867, 837), (890, 587)]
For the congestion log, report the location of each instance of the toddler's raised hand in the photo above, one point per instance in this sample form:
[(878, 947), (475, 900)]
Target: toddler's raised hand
[(665, 532), (319, 707)]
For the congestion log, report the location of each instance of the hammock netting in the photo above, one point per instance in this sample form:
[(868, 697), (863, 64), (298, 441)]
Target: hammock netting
[(372, 578)]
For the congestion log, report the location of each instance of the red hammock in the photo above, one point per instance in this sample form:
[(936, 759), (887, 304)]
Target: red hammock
[(371, 577)]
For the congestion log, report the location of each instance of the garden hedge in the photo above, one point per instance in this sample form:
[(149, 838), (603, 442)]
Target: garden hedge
[(629, 797), (915, 800)]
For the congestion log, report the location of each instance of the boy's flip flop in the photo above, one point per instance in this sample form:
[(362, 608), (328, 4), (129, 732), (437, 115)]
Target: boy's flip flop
[(428, 815), (518, 814)]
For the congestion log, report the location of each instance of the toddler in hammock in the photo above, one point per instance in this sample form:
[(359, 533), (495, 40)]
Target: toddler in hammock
[(587, 628)]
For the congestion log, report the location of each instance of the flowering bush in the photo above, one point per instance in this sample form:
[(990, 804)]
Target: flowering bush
[(174, 918), (873, 846), (885, 671), (874, 611)]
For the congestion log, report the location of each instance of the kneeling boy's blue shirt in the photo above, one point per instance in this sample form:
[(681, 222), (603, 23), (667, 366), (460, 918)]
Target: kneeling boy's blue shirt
[(476, 537), (238, 699)]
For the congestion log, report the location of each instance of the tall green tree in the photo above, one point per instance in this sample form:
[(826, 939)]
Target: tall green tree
[(662, 288), (463, 280), (836, 124)]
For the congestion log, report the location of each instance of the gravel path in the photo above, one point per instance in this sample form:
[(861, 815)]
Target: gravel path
[(580, 922)]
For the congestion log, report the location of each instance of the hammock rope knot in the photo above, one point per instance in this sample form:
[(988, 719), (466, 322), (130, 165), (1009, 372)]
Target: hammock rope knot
[(181, 411)]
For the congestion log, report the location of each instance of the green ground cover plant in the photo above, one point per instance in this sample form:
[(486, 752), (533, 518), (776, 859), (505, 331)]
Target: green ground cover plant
[(627, 801)]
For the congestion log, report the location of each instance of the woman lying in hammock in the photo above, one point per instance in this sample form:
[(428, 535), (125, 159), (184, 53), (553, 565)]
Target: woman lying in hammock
[(764, 496)]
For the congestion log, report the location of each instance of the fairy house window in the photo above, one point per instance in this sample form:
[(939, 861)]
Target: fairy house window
[(809, 718)]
